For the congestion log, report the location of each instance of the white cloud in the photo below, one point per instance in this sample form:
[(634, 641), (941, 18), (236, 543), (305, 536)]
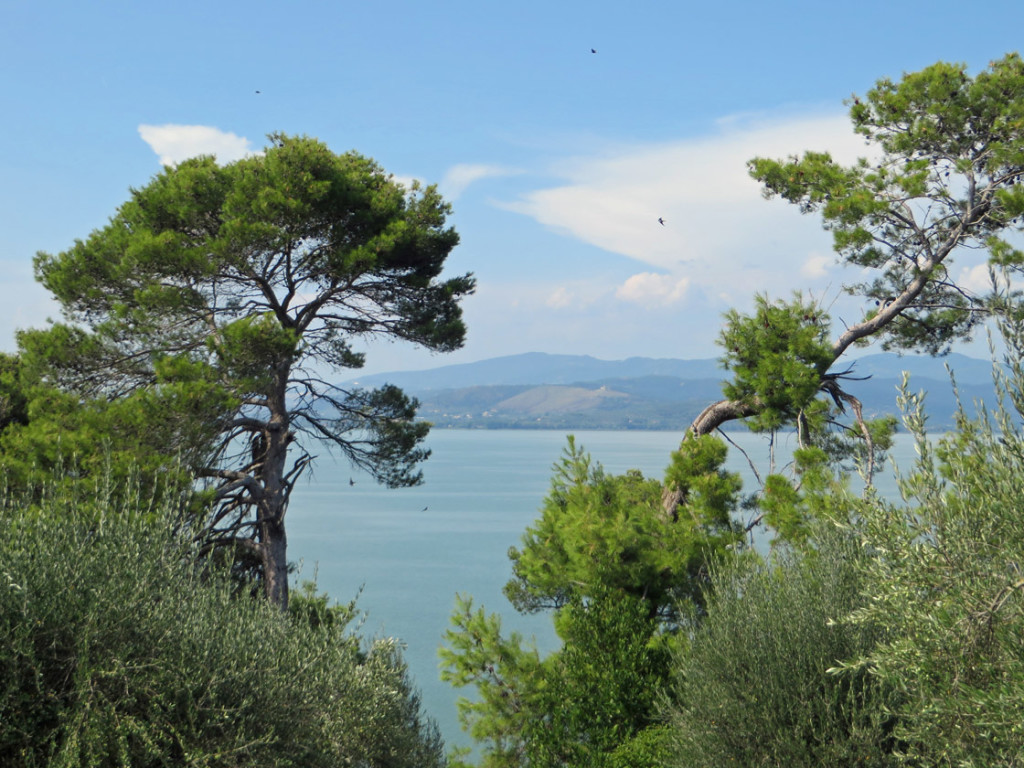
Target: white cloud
[(560, 299), (976, 279), (719, 233), (407, 181), (816, 265), (462, 175), (648, 287), (174, 143)]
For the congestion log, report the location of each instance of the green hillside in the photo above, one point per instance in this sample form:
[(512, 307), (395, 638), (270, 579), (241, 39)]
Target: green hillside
[(647, 402)]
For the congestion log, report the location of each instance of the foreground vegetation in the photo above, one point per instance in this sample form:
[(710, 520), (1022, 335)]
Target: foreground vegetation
[(118, 650), (876, 632), (883, 634)]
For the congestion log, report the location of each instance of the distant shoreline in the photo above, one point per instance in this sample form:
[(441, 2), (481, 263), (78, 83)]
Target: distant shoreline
[(497, 427)]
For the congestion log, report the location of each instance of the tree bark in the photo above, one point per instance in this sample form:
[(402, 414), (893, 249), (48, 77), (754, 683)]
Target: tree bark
[(717, 414), (273, 503), (274, 551)]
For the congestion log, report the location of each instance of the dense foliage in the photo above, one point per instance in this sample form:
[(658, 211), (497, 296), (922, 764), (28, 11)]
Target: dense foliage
[(946, 584), (115, 650), (593, 703), (776, 358), (753, 687), (892, 634), (597, 531), (600, 695)]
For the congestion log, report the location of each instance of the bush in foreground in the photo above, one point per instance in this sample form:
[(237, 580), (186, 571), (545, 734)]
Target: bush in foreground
[(948, 585), (755, 685), (115, 650)]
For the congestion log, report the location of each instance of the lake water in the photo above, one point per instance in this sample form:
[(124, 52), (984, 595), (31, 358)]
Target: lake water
[(412, 549)]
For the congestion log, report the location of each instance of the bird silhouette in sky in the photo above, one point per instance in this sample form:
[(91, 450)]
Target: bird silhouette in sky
[(351, 481), (257, 91), (661, 221), (593, 50)]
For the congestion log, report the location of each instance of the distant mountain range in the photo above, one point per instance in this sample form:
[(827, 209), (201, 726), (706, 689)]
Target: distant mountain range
[(536, 368), (542, 391)]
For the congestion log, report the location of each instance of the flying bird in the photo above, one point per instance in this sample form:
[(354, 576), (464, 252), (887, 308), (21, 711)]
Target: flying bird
[(661, 221), (593, 50), (351, 481), (257, 91)]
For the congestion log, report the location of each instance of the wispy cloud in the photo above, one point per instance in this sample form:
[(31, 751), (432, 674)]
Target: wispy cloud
[(174, 143), (561, 298), (648, 287), (718, 231), (976, 279), (816, 265), (407, 181), (460, 176)]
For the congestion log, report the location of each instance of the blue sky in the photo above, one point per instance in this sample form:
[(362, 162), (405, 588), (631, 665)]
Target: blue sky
[(558, 161)]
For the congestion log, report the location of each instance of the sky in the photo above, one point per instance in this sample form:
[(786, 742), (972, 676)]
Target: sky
[(560, 132)]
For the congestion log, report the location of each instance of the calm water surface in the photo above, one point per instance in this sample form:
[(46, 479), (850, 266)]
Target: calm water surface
[(412, 549)]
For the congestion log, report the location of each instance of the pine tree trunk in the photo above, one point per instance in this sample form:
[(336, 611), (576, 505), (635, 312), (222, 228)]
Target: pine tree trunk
[(275, 563), (274, 538)]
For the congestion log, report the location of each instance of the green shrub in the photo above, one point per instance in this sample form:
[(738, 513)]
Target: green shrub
[(649, 747), (116, 650), (600, 692), (754, 685), (948, 585)]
